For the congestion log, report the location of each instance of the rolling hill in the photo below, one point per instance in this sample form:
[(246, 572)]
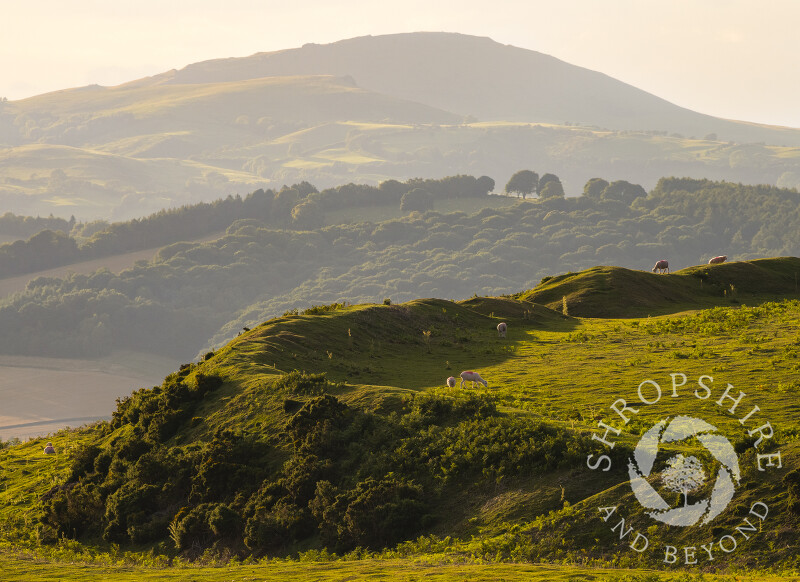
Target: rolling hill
[(477, 76), (618, 292), (245, 454), (365, 109)]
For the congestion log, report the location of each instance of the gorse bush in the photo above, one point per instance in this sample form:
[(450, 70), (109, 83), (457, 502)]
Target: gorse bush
[(323, 308), (493, 449), (299, 383), (718, 320), (348, 477)]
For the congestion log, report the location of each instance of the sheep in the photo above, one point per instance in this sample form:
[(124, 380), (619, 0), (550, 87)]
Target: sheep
[(661, 266), (501, 329), (470, 376), (717, 260), (451, 382), (49, 450)]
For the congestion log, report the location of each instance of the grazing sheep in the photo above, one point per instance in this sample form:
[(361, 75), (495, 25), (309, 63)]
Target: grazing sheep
[(451, 382), (470, 376), (717, 260), (661, 266), (49, 450), (501, 329)]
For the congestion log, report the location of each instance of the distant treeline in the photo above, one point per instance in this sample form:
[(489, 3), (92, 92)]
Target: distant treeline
[(26, 226), (58, 242), (195, 291)]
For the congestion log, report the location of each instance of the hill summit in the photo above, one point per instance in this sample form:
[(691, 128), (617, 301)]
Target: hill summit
[(475, 76)]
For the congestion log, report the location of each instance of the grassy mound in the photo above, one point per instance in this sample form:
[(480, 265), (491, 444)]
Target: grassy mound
[(620, 292)]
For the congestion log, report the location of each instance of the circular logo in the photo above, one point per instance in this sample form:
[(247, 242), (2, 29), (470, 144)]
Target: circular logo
[(683, 474)]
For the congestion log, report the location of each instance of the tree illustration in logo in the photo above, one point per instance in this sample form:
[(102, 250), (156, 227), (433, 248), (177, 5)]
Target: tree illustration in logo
[(684, 474)]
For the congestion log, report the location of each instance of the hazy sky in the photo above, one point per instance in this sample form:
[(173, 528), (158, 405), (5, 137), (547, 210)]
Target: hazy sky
[(730, 58)]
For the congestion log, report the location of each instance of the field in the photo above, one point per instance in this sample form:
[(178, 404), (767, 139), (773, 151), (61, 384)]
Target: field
[(553, 368), (29, 568), (42, 395), (114, 263)]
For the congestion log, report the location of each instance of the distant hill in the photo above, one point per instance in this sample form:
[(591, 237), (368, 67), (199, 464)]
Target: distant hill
[(362, 110), (477, 76)]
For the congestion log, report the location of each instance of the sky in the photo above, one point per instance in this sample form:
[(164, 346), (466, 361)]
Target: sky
[(737, 59)]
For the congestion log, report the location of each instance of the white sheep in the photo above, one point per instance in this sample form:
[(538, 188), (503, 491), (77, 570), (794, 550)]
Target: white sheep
[(661, 266), (451, 382), (470, 376), (501, 329)]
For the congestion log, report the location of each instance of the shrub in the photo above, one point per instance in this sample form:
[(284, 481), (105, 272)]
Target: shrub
[(282, 524), (374, 514), (300, 383)]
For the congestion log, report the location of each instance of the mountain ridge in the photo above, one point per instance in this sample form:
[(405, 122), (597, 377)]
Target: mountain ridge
[(443, 60), (390, 107)]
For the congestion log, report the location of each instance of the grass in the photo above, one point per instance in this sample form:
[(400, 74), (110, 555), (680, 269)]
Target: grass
[(620, 292), (29, 568), (563, 370)]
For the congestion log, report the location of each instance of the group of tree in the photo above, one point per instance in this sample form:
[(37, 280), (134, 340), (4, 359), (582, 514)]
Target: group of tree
[(193, 291), (24, 227), (57, 242), (334, 475)]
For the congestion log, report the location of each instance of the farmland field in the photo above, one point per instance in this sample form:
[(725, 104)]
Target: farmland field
[(42, 395)]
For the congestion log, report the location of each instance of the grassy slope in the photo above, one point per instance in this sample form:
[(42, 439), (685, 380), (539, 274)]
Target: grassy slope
[(564, 370), (619, 292)]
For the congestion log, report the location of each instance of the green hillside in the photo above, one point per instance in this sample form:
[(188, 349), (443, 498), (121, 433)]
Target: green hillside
[(332, 429), (618, 292)]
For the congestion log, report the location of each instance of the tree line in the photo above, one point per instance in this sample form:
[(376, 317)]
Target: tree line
[(194, 291), (57, 242)]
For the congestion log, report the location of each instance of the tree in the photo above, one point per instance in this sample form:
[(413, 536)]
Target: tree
[(284, 201), (305, 188), (392, 190), (484, 186), (308, 215), (523, 182), (416, 200), (551, 189), (594, 188), (547, 178), (684, 474), (623, 191)]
